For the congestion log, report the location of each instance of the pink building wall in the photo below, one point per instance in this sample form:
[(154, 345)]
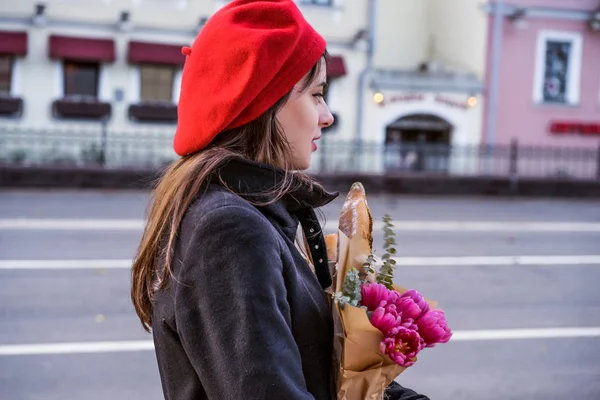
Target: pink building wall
[(562, 4), (517, 114)]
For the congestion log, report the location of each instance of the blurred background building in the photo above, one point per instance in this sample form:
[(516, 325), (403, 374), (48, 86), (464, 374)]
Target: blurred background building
[(548, 73), (415, 85)]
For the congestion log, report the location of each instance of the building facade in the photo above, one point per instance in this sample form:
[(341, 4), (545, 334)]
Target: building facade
[(547, 75), (82, 69), (421, 84), (401, 72)]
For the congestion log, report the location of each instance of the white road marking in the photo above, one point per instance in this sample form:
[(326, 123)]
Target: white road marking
[(401, 261), (331, 225), (65, 264), (498, 260), (146, 345), (535, 333), (75, 347), (71, 224), (488, 226)]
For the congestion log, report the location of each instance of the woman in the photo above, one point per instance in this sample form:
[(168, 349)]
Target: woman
[(235, 309)]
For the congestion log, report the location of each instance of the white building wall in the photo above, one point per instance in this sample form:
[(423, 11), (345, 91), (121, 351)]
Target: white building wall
[(465, 121), (343, 94), (401, 33), (407, 33), (458, 32)]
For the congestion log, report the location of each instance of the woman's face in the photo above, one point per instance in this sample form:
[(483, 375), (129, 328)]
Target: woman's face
[(302, 118)]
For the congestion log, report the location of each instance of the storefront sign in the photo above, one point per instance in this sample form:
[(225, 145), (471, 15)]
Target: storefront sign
[(452, 103), (408, 97), (380, 99), (581, 128)]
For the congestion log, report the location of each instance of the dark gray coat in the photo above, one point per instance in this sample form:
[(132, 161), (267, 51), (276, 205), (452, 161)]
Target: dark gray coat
[(244, 316)]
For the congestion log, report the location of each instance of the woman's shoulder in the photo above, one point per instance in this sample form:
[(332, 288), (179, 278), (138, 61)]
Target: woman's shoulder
[(219, 208)]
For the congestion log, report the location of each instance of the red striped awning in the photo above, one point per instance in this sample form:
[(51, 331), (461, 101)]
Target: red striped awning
[(336, 67), (81, 49), (154, 53), (13, 43)]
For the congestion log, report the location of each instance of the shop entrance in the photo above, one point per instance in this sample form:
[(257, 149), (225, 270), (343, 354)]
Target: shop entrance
[(418, 142)]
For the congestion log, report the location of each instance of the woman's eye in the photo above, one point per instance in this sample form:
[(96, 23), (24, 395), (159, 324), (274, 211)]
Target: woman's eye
[(318, 95)]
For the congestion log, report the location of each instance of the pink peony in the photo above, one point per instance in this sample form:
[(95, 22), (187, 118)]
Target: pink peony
[(385, 321), (433, 328), (401, 345), (418, 300), (373, 294), (408, 308)]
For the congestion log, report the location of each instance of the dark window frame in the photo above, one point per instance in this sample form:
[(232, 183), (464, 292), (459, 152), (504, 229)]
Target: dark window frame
[(11, 66), (146, 67), (96, 66), (552, 47), (321, 3)]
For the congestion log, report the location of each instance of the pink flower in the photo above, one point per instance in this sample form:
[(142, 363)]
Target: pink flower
[(433, 328), (417, 299), (402, 345), (373, 294), (385, 321), (408, 308)]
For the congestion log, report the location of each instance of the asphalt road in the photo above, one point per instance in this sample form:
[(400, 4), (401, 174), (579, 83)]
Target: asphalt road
[(519, 280)]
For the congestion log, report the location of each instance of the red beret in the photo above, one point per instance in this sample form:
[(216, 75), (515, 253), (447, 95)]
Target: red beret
[(249, 54)]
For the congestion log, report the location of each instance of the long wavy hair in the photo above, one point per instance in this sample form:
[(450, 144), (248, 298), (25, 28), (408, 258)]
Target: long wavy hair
[(261, 140)]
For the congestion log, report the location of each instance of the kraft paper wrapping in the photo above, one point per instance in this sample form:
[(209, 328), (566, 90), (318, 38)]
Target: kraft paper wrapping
[(360, 370), (363, 372)]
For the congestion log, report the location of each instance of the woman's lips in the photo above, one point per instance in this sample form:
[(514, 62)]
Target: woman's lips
[(314, 143)]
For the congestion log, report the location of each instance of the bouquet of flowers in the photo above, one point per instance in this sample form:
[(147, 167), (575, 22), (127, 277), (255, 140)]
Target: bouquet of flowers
[(380, 327)]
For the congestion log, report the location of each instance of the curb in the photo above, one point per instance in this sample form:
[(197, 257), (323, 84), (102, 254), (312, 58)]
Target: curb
[(100, 178)]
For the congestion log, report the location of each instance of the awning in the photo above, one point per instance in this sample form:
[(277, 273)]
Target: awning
[(155, 53), (336, 67), (13, 43), (81, 49), (436, 82), (421, 121)]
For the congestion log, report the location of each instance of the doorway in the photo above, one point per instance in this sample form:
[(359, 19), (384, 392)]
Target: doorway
[(418, 142)]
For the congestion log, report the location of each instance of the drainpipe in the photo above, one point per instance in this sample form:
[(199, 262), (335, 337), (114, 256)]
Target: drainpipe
[(495, 71), (365, 72)]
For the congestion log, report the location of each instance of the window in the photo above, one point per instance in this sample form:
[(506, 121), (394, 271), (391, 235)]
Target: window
[(5, 74), (555, 74), (81, 79), (558, 68), (317, 2), (157, 83)]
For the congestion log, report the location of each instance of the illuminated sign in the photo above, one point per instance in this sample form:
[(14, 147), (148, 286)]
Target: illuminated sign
[(581, 128)]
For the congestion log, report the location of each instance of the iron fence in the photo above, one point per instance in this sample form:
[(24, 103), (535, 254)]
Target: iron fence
[(86, 147), (148, 149), (511, 160)]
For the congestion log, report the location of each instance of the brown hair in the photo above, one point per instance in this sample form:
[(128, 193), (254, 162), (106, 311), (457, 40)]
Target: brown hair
[(261, 140)]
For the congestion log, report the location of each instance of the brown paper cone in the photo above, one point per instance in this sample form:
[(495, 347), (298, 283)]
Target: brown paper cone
[(360, 369), (368, 384), (364, 371)]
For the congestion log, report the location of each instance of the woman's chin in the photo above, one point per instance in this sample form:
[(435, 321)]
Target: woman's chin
[(302, 167)]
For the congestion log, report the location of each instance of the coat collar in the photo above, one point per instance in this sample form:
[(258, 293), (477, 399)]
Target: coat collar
[(256, 181)]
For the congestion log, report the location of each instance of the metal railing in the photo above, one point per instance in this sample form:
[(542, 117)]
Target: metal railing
[(462, 160), (86, 147), (148, 149)]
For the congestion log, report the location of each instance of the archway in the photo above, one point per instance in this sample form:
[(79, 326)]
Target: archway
[(418, 142)]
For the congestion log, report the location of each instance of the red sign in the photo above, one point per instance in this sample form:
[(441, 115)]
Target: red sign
[(582, 128)]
